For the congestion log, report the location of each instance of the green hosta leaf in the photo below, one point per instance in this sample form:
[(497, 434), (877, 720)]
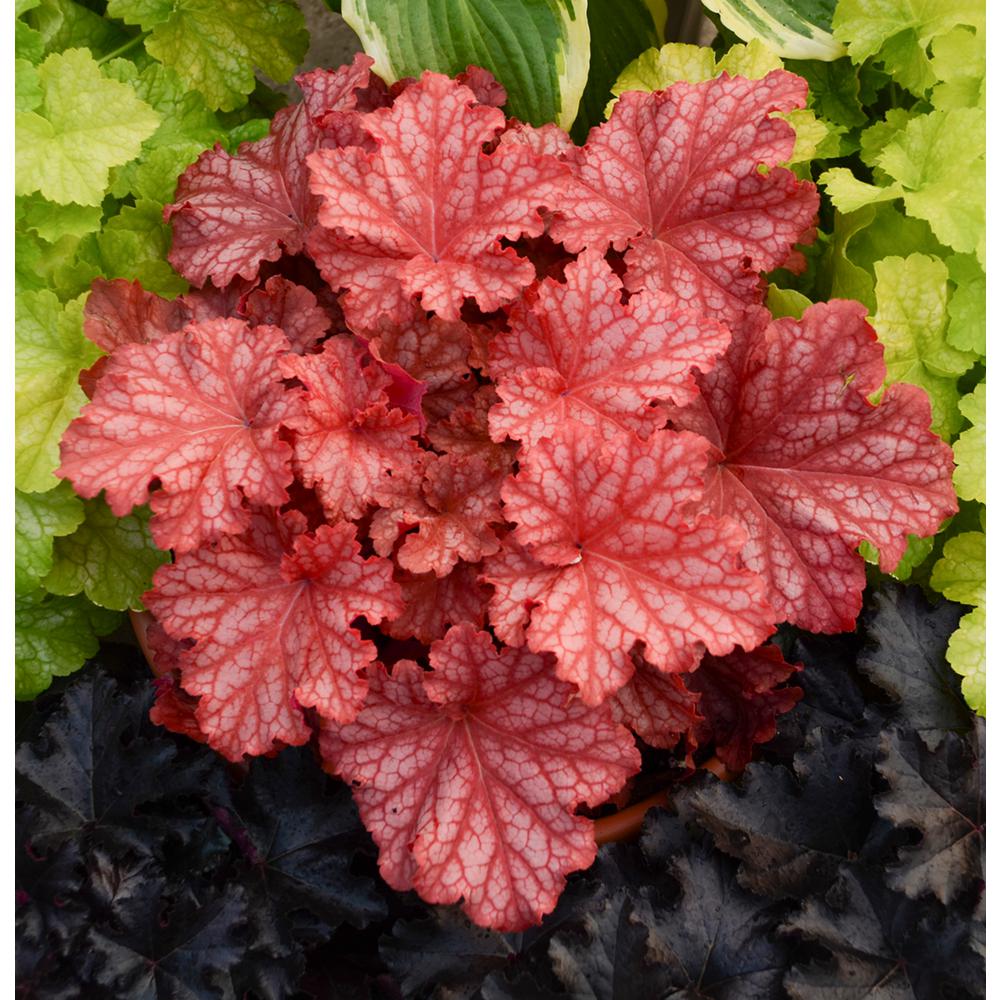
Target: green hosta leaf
[(960, 573), (27, 86), (946, 189), (53, 636), (900, 29), (619, 31), (795, 29), (539, 51), (84, 126), (970, 448), (134, 245), (186, 128), (37, 518), (967, 305), (215, 45), (967, 656), (50, 350), (960, 64), (110, 559), (912, 296), (52, 222)]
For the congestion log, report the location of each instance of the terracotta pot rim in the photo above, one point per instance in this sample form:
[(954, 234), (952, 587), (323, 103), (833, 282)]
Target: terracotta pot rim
[(624, 824)]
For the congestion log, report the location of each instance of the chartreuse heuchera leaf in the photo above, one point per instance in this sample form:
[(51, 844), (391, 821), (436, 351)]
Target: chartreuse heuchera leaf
[(215, 47), (50, 349), (402, 297), (540, 52), (85, 125), (970, 448), (38, 519)]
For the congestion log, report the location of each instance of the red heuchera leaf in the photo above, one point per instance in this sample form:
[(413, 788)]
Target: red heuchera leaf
[(123, 312), (616, 555), (810, 467), (465, 431), (431, 603), (291, 307), (740, 700), (468, 776), (674, 175), (270, 612), (199, 411), (658, 707), (230, 213), (347, 439), (484, 85), (424, 215), (458, 499), (574, 350)]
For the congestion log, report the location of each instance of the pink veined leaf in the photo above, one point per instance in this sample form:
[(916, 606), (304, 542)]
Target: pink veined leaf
[(468, 777), (484, 85), (548, 139), (658, 707), (809, 467), (431, 603), (197, 410), (610, 551), (348, 442), (173, 708), (270, 612), (291, 307), (574, 350), (465, 431), (674, 176), (458, 499), (740, 701), (123, 312), (423, 215), (231, 213)]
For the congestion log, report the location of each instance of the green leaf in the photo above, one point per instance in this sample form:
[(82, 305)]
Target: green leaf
[(794, 29), (27, 86), (50, 351), (52, 222), (848, 194), (960, 573), (917, 550), (37, 518), (53, 637), (960, 64), (28, 43), (110, 559), (946, 189), (970, 448), (215, 45), (85, 125), (833, 90), (912, 296), (619, 31), (967, 656), (539, 50), (967, 305), (64, 24), (786, 302), (134, 245)]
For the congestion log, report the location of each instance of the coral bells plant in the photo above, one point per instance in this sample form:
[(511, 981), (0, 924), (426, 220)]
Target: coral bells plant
[(479, 456)]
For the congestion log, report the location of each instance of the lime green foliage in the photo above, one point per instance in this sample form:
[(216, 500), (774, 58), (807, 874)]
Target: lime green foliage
[(215, 46), (917, 551), (960, 574), (50, 350), (538, 49), (53, 636), (786, 302), (83, 126), (967, 306), (110, 559), (967, 656), (104, 127), (795, 29), (38, 518), (912, 318), (970, 448)]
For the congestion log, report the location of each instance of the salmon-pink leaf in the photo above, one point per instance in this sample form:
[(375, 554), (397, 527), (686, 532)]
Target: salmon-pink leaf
[(468, 777), (123, 312), (231, 213), (674, 176), (270, 612), (741, 699), (348, 441), (291, 307), (431, 603), (424, 215), (618, 554), (197, 410), (574, 350), (810, 467)]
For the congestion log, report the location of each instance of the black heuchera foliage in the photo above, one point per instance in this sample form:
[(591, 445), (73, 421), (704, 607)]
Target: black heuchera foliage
[(846, 861)]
